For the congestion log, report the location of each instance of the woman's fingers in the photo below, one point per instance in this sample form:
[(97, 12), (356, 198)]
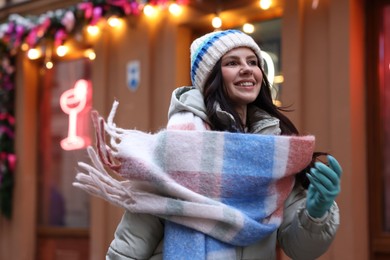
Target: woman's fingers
[(322, 184), (326, 173), (334, 164)]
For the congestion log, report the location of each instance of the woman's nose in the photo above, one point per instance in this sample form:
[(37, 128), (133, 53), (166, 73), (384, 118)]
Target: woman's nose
[(246, 69)]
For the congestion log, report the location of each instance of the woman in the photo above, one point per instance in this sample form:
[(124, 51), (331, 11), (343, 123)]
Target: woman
[(231, 93)]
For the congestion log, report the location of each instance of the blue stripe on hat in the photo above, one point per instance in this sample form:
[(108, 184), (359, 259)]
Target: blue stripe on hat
[(203, 48)]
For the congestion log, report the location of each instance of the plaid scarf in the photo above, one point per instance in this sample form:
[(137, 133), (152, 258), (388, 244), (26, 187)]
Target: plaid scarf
[(217, 190)]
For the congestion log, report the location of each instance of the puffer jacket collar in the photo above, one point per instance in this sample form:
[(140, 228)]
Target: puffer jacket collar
[(190, 99)]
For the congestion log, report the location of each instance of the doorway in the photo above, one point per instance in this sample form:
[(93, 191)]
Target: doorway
[(63, 133)]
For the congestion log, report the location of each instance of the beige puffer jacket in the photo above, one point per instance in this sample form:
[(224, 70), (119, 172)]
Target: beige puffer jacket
[(301, 237)]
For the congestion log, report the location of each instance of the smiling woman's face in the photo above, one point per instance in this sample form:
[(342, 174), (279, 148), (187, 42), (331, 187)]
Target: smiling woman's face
[(242, 76)]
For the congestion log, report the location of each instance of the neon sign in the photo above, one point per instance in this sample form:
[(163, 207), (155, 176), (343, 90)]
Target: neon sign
[(72, 102)]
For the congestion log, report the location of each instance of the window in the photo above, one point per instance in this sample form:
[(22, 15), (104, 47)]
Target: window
[(63, 210), (61, 204)]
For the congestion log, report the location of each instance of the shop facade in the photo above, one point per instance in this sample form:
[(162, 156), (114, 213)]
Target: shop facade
[(324, 61)]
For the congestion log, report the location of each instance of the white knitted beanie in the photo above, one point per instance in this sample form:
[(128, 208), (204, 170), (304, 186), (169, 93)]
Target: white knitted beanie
[(209, 48)]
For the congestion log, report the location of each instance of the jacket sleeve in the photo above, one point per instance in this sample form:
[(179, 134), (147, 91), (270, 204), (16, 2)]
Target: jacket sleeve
[(136, 237), (302, 237)]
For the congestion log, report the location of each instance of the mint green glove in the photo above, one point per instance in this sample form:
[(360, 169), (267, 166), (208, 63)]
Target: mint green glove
[(324, 187)]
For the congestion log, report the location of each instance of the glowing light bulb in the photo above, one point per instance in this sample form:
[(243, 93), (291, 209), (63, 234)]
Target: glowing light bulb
[(90, 54), (279, 79), (49, 65), (62, 50), (34, 54), (93, 30), (24, 46), (216, 22), (175, 9), (265, 4), (150, 11), (114, 21), (248, 28)]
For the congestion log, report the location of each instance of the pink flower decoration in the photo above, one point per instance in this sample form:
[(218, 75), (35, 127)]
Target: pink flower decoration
[(32, 37), (41, 30), (59, 37), (19, 30), (135, 8), (8, 117), (10, 29), (7, 131), (87, 8), (97, 14), (68, 21), (12, 161)]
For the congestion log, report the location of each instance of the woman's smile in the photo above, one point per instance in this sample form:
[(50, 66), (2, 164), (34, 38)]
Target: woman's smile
[(242, 77)]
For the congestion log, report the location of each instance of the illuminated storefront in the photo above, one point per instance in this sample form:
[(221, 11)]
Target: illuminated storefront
[(315, 51)]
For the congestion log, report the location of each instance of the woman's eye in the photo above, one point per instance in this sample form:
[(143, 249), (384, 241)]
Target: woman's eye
[(231, 63), (252, 62)]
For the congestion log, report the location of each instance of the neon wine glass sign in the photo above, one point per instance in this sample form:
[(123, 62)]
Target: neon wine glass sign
[(72, 102)]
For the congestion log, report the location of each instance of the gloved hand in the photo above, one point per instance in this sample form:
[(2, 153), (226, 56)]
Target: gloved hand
[(324, 187)]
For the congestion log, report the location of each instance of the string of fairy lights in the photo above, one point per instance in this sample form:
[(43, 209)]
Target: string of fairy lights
[(47, 34), (94, 15)]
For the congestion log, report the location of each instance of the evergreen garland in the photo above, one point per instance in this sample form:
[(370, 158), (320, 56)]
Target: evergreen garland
[(7, 132)]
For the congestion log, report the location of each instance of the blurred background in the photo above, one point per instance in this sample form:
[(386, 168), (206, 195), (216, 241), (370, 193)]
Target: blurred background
[(329, 62)]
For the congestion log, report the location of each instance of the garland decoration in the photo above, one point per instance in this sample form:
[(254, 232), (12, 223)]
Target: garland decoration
[(7, 134), (28, 32)]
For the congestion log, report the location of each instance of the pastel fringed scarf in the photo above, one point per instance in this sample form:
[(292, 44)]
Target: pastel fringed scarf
[(217, 190)]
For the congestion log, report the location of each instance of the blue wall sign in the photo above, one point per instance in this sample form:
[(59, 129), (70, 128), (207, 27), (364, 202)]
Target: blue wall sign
[(133, 74)]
